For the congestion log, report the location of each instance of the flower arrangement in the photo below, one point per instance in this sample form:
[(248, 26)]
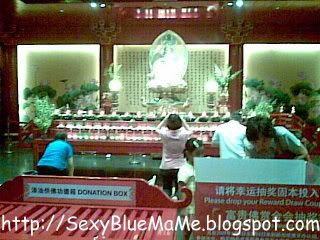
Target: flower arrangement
[(277, 97), (264, 108), (266, 93), (254, 83), (43, 114), (73, 95), (39, 91), (29, 95)]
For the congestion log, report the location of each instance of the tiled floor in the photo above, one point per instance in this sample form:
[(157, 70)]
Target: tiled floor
[(21, 160), (14, 164)]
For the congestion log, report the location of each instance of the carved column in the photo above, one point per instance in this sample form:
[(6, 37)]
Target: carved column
[(9, 81), (236, 32), (9, 84), (106, 30), (106, 58)]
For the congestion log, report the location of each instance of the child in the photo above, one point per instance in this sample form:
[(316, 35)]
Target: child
[(186, 177), (173, 137)]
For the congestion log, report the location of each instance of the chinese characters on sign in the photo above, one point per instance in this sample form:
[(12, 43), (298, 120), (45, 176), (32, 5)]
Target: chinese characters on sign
[(251, 211), (74, 191)]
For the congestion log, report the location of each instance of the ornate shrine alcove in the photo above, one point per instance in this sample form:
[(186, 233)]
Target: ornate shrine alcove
[(141, 89), (286, 74), (65, 69)]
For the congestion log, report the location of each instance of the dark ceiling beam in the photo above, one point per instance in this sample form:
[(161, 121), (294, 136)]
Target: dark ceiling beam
[(115, 1), (132, 3), (7, 13)]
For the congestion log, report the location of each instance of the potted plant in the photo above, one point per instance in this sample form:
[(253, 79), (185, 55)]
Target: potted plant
[(113, 71), (264, 109), (223, 77), (43, 114), (30, 95)]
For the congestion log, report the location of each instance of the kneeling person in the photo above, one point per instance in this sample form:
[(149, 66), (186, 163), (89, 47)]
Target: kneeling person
[(57, 158)]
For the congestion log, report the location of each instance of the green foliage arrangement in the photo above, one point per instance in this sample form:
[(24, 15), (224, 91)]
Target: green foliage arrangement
[(250, 105), (254, 83), (43, 113), (277, 97), (73, 95), (302, 87), (90, 107), (271, 98), (69, 97), (88, 88), (223, 76), (39, 91), (313, 121), (264, 108)]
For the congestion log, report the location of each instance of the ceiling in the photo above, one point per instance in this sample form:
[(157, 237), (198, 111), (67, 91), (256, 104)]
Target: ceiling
[(249, 5), (305, 12), (257, 4)]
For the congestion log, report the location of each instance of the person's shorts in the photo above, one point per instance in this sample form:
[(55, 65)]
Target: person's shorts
[(48, 170)]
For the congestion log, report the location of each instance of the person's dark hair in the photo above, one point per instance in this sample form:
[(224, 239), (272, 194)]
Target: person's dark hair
[(60, 136), (259, 127), (237, 115), (192, 144), (174, 122)]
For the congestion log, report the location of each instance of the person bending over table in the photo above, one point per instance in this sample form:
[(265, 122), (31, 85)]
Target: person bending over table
[(268, 141), (57, 158)]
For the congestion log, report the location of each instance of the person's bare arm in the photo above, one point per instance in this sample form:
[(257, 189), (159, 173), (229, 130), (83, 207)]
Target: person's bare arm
[(302, 153), (163, 122), (180, 185), (184, 124), (295, 145), (215, 139)]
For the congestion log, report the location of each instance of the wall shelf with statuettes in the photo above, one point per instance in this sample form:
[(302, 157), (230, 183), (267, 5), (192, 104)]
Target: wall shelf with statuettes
[(104, 130)]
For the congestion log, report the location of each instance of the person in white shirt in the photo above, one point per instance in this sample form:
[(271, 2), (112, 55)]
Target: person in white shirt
[(230, 136), (174, 132), (186, 177)]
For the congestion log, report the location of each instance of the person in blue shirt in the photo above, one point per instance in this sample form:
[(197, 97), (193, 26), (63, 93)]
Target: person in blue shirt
[(57, 158)]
